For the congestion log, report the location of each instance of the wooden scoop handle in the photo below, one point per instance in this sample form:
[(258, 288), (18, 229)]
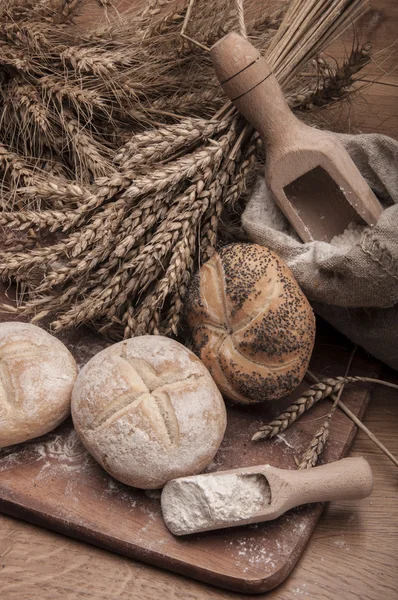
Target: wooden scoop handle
[(189, 507), (250, 84), (346, 479)]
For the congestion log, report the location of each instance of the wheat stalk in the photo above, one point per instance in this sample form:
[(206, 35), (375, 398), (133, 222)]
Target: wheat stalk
[(25, 118), (314, 394), (335, 84), (313, 452), (311, 455), (146, 161), (155, 146), (357, 422)]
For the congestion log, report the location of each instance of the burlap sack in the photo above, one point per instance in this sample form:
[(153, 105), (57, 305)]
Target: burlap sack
[(354, 288)]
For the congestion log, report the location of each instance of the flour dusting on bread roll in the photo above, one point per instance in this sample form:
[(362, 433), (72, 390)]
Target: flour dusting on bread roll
[(37, 373), (148, 411), (252, 326)]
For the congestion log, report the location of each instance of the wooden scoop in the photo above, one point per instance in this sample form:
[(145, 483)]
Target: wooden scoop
[(312, 177), (254, 494)]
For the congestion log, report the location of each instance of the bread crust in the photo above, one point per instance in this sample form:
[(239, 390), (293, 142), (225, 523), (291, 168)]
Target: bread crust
[(148, 411), (252, 326), (37, 373)]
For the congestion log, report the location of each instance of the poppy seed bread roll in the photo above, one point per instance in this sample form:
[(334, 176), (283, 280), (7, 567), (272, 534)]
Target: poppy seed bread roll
[(252, 325)]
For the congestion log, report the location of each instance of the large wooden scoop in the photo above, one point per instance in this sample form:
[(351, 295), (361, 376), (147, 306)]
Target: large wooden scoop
[(313, 179), (254, 494)]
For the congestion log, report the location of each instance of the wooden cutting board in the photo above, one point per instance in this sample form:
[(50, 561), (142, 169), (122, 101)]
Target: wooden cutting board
[(53, 482)]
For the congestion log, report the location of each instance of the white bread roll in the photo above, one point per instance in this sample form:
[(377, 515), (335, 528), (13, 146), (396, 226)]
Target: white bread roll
[(148, 411), (252, 325), (37, 373)]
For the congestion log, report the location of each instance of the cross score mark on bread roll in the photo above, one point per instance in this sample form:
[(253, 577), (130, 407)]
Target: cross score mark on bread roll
[(252, 325), (37, 373), (154, 404), (148, 411)]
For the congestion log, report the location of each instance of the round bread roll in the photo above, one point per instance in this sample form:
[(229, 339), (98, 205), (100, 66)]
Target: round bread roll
[(37, 373), (252, 326), (148, 411)]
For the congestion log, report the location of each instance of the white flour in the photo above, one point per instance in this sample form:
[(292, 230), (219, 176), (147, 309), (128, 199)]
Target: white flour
[(201, 503), (349, 238)]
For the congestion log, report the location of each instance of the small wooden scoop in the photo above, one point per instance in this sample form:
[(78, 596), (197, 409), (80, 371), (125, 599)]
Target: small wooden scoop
[(312, 177), (254, 494)]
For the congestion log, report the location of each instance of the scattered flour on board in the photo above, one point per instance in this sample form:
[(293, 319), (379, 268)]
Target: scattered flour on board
[(300, 527), (62, 445), (72, 491), (119, 490), (284, 547), (63, 452), (251, 553)]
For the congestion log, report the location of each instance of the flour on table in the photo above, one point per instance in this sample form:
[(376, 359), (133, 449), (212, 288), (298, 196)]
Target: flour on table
[(300, 591)]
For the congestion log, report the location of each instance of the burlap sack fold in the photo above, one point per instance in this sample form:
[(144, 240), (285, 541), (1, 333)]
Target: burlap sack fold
[(355, 288)]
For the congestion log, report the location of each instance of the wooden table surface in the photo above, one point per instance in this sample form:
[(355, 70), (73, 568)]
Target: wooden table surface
[(353, 552)]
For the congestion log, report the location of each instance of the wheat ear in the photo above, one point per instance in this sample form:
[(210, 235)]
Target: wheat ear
[(311, 455), (314, 394)]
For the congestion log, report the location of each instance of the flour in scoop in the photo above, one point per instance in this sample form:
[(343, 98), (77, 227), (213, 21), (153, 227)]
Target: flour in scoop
[(349, 238), (201, 503)]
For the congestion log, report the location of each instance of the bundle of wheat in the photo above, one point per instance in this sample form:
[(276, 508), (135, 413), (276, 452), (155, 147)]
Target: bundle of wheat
[(118, 154)]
